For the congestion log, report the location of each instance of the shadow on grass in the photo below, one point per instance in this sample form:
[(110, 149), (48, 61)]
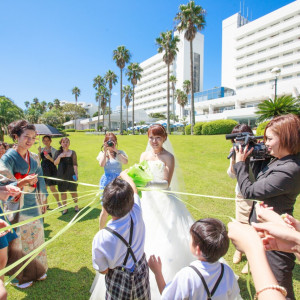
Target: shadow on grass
[(94, 214), (244, 290), (62, 284)]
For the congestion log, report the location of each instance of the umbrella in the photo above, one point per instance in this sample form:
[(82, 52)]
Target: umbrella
[(43, 129)]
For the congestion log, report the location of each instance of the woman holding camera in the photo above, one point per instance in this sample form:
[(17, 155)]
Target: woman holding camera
[(277, 184), (111, 159)]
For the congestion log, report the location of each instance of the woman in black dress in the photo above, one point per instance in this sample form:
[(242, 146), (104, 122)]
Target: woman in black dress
[(66, 160), (47, 155)]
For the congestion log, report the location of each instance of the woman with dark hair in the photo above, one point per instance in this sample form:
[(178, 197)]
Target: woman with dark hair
[(277, 184), (66, 160), (47, 155), (19, 167), (2, 148)]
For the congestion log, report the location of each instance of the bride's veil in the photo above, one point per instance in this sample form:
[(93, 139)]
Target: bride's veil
[(177, 183)]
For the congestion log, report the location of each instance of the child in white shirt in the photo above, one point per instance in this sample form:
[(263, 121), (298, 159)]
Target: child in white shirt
[(205, 277), (118, 249)]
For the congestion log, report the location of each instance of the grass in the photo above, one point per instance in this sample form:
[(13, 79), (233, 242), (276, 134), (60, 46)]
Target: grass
[(202, 164)]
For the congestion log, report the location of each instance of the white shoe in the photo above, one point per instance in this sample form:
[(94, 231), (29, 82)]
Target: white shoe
[(24, 285), (44, 277)]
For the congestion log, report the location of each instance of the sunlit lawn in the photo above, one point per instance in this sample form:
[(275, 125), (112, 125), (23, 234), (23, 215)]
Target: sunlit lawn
[(202, 165)]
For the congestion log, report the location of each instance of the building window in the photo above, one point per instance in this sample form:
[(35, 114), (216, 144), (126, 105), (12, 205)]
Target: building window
[(249, 85), (275, 46), (287, 66), (261, 72), (287, 42), (287, 77), (261, 82), (287, 53), (261, 61), (261, 51), (288, 18), (250, 65), (250, 75), (274, 57), (196, 72), (287, 30)]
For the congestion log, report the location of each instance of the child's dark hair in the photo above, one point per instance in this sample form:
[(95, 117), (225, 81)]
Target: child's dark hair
[(48, 137), (211, 237), (118, 198), (18, 127)]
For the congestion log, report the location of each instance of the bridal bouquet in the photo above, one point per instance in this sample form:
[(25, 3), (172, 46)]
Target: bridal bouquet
[(140, 173)]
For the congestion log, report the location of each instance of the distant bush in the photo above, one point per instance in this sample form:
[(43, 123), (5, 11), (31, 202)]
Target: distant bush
[(218, 127), (68, 130), (86, 130), (198, 128), (188, 129), (261, 128)]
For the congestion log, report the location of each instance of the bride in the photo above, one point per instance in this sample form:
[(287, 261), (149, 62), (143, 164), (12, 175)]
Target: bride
[(166, 218)]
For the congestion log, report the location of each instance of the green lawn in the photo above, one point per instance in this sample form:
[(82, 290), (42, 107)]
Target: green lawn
[(202, 165)]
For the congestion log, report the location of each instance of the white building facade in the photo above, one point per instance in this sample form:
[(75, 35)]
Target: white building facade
[(250, 50), (151, 90)]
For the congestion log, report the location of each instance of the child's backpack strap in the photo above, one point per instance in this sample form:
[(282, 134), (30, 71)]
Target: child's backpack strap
[(209, 294), (128, 244)]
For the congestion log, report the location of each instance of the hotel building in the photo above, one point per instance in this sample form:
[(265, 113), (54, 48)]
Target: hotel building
[(250, 51), (151, 90)]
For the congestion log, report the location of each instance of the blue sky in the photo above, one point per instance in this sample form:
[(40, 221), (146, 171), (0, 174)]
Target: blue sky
[(48, 47)]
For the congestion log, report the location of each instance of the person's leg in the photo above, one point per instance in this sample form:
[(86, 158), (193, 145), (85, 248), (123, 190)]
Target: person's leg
[(55, 194), (75, 199), (64, 201), (3, 292), (282, 265), (3, 260)]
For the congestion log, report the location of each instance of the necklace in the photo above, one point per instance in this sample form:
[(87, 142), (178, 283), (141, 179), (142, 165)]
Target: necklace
[(158, 153)]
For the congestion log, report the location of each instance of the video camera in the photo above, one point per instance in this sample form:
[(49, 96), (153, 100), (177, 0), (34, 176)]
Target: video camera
[(259, 152)]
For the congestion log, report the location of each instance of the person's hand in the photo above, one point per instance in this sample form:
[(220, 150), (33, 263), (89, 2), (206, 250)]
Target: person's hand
[(12, 190), (3, 224), (291, 221), (243, 236), (278, 237), (48, 156), (40, 149), (241, 154), (63, 154), (29, 179), (266, 214), (155, 264), (44, 209)]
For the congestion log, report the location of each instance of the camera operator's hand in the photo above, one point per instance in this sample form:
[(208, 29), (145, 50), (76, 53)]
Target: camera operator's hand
[(242, 154)]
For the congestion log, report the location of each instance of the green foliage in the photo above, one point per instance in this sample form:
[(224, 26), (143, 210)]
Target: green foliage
[(157, 116), (218, 127), (54, 117), (9, 112), (261, 128), (188, 129), (85, 130), (198, 128), (69, 130), (73, 111), (280, 106)]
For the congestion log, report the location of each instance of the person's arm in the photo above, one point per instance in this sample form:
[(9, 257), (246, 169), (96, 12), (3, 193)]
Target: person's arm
[(169, 169), (127, 178), (9, 190), (3, 224), (122, 157), (103, 218), (3, 292), (230, 170), (102, 158), (245, 239), (142, 157), (58, 157), (156, 267), (75, 165)]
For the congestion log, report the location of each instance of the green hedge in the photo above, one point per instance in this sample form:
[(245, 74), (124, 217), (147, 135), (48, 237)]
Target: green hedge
[(68, 130), (218, 127), (188, 129), (198, 128), (260, 130)]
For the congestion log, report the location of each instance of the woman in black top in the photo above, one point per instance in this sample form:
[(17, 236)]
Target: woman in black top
[(66, 160), (277, 184), (47, 155)]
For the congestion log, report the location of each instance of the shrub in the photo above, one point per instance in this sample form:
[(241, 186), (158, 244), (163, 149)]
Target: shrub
[(218, 127), (69, 130), (198, 128), (261, 128), (188, 129)]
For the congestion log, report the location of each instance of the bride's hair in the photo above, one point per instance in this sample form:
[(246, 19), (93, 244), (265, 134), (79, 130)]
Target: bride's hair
[(158, 129)]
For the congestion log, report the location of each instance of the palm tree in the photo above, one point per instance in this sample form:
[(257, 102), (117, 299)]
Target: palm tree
[(134, 74), (173, 81), (76, 92), (56, 103), (182, 100), (43, 105), (127, 91), (187, 89), (111, 78), (167, 43), (191, 18), (121, 56), (26, 104), (50, 105), (279, 106), (98, 82), (104, 96), (35, 101)]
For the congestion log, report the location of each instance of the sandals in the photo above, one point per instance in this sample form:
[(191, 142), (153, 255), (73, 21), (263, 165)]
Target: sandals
[(65, 212), (76, 209)]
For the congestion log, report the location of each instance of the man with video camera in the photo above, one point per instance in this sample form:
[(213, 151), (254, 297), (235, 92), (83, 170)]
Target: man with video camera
[(277, 184)]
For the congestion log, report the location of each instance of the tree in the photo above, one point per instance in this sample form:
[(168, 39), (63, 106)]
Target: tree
[(9, 112), (121, 56), (103, 94), (191, 18), (35, 101), (26, 104), (182, 100), (134, 74), (43, 105), (167, 43), (54, 118), (173, 81), (71, 111), (56, 103), (98, 82), (157, 116), (127, 91), (187, 89), (50, 105), (76, 92), (279, 106), (111, 79)]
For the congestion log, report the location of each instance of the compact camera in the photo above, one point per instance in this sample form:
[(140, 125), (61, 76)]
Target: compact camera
[(110, 143), (260, 151)]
